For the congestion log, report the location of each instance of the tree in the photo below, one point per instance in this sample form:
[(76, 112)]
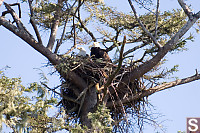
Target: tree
[(26, 114), (122, 86)]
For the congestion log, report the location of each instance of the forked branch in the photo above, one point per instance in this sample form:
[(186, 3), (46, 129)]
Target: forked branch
[(148, 65), (143, 27)]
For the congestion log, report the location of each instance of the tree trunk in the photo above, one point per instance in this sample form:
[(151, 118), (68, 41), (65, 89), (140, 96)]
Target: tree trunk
[(90, 102)]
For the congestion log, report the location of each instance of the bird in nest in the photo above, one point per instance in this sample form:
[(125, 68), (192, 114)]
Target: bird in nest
[(82, 52), (98, 53)]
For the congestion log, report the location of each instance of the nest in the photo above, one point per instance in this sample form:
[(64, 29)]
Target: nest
[(97, 72)]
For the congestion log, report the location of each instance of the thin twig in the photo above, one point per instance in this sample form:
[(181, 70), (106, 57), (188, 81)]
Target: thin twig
[(112, 76), (64, 96), (59, 42), (157, 14), (143, 27), (33, 22), (86, 29)]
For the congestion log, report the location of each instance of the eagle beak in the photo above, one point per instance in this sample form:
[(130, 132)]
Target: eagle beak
[(78, 48)]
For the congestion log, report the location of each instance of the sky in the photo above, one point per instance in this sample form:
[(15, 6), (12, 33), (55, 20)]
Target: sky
[(174, 104)]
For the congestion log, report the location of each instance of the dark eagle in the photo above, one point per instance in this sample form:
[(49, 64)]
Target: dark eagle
[(98, 53)]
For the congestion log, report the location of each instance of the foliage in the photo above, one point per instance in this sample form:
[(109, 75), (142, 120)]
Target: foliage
[(101, 122), (22, 113)]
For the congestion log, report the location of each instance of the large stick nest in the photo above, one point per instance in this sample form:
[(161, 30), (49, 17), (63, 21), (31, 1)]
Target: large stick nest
[(96, 73)]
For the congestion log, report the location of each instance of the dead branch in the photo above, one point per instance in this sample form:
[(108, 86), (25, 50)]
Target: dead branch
[(143, 27), (113, 75), (148, 65), (33, 22), (186, 9), (157, 14), (15, 17), (54, 26), (146, 93)]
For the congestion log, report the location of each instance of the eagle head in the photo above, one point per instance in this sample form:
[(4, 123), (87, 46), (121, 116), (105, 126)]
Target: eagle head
[(82, 51)]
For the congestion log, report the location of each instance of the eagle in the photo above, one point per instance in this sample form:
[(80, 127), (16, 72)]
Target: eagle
[(82, 52), (98, 53)]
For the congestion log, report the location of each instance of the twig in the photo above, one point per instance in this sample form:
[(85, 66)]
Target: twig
[(135, 48), (33, 22), (143, 27), (65, 97), (112, 76), (17, 20), (54, 27), (86, 29), (157, 14), (59, 42)]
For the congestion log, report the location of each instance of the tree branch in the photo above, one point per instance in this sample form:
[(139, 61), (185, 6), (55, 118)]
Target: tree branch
[(186, 9), (143, 27), (16, 18), (134, 48), (86, 29), (157, 14), (59, 42), (33, 22), (148, 65), (113, 75), (54, 27), (158, 88)]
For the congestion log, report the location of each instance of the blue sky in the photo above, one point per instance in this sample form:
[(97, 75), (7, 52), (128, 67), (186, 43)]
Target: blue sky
[(175, 104)]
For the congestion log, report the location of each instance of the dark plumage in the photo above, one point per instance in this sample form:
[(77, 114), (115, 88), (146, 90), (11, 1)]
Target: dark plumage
[(97, 52)]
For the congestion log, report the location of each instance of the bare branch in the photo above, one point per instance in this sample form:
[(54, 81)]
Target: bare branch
[(33, 22), (143, 27), (15, 17), (157, 14), (86, 29), (134, 48), (186, 9), (54, 27), (112, 76), (59, 42), (64, 96), (148, 65), (158, 88)]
